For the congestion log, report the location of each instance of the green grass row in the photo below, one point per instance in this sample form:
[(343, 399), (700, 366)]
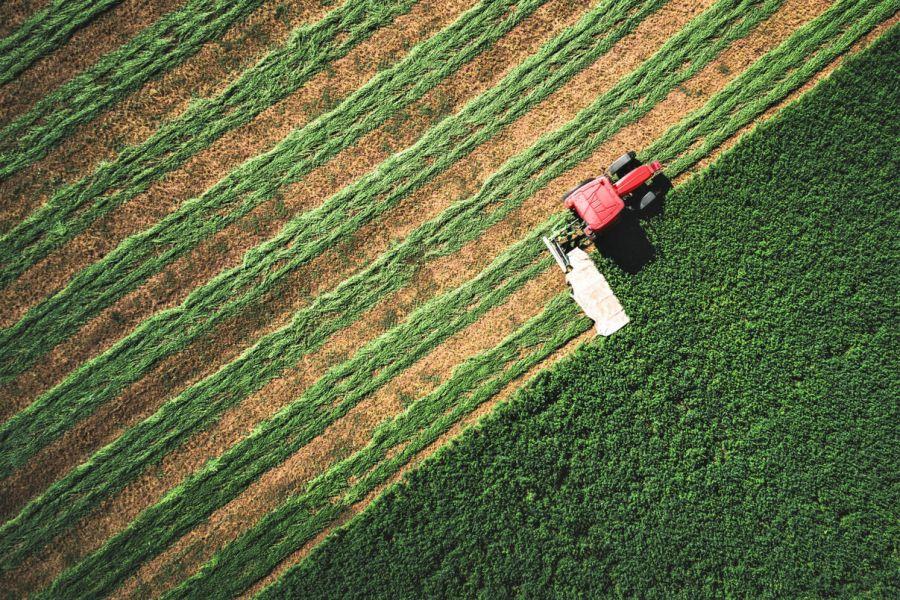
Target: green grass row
[(331, 397), (737, 439), (158, 48), (75, 206), (349, 481), (286, 529), (265, 268), (256, 181), (45, 31), (119, 462)]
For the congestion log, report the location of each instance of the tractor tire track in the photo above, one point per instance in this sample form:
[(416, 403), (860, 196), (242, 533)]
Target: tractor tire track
[(137, 116), (82, 50)]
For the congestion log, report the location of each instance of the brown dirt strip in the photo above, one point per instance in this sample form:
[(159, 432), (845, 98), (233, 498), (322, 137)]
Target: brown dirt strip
[(469, 82), (550, 194), (172, 285), (212, 352), (353, 430), (105, 33), (344, 437), (138, 116), (441, 442), (14, 12)]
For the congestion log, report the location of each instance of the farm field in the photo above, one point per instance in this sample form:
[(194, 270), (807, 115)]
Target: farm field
[(259, 259)]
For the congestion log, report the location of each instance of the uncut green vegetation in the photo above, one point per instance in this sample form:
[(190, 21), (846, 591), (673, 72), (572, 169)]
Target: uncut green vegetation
[(75, 206), (265, 267), (158, 48), (272, 442), (256, 181), (298, 520), (738, 438), (113, 466), (45, 31)]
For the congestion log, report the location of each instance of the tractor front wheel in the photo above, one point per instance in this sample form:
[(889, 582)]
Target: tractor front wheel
[(622, 165)]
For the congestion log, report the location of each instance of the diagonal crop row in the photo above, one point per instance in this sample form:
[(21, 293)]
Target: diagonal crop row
[(45, 31), (163, 45), (310, 234), (109, 469), (74, 207), (341, 388), (301, 517), (256, 181)]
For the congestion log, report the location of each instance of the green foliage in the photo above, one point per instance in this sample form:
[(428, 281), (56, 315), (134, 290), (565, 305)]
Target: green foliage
[(156, 49), (259, 179), (71, 209), (737, 439), (45, 31), (302, 239)]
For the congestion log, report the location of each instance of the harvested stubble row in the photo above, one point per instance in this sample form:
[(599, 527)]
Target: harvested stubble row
[(256, 181), (74, 207), (157, 48), (45, 31), (766, 82), (286, 346), (267, 265)]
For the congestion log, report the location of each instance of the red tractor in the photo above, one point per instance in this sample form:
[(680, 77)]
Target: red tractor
[(597, 203)]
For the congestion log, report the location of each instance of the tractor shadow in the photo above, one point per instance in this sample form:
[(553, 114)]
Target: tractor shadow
[(625, 242)]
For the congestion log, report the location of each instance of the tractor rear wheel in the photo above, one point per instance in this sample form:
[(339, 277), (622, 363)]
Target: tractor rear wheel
[(622, 165)]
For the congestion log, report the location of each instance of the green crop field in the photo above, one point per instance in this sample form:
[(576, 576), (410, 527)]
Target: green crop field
[(260, 259)]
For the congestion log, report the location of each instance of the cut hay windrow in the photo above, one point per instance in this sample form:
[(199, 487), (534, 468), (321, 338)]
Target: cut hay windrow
[(266, 266), (118, 462), (256, 181), (44, 32), (298, 520), (302, 517), (165, 44), (74, 207)]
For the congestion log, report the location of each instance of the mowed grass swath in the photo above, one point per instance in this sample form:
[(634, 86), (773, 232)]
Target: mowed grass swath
[(520, 178), (241, 559)]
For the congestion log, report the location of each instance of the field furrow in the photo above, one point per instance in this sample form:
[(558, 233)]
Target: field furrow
[(74, 208), (136, 117), (258, 180), (30, 137)]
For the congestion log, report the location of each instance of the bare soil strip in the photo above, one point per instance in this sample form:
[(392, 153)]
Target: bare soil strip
[(138, 116), (15, 12), (108, 31), (172, 285), (353, 431), (210, 353), (207, 355)]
